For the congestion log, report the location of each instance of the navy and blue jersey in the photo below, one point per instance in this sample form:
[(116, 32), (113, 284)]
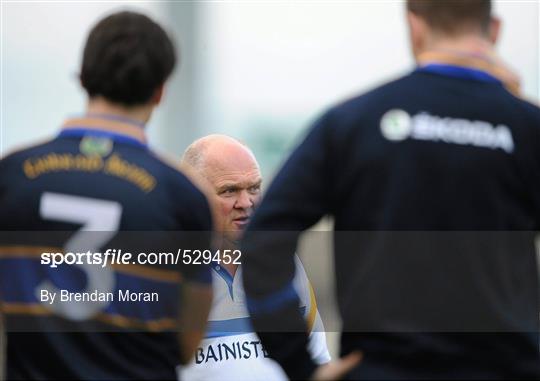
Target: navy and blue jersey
[(433, 181), (96, 186)]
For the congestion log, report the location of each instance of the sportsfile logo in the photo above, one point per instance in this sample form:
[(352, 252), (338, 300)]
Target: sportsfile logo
[(398, 125)]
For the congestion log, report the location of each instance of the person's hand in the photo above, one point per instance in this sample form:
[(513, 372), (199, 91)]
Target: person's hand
[(336, 369)]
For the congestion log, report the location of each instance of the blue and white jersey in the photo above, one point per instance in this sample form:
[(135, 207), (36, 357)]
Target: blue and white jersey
[(99, 180), (231, 349)]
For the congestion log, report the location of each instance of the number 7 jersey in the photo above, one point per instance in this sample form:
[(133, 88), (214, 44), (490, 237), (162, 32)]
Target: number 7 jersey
[(75, 193)]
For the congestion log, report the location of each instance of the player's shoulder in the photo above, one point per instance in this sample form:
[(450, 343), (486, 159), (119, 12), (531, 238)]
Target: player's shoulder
[(362, 107), (375, 94), (27, 149), (22, 152), (182, 184), (175, 173), (519, 114), (526, 108)]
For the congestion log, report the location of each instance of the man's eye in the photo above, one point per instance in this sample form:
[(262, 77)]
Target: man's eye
[(228, 191), (256, 189)]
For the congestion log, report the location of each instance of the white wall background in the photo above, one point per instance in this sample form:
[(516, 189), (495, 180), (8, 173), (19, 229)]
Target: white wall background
[(257, 70), (269, 68), (42, 44)]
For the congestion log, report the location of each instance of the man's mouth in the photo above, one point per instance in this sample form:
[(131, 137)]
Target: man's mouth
[(241, 221)]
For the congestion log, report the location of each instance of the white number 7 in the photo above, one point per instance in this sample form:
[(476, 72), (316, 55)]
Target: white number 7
[(96, 216)]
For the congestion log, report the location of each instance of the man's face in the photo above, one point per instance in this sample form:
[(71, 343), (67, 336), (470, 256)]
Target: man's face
[(236, 180)]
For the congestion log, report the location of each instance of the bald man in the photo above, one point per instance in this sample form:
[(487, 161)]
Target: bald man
[(231, 349)]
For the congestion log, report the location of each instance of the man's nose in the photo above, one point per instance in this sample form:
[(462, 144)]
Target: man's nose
[(244, 200)]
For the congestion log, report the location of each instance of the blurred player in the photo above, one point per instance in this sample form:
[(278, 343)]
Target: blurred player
[(231, 350), (98, 177), (434, 184), (2, 347)]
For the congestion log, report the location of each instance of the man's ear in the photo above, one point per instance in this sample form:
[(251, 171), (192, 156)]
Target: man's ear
[(158, 94), (418, 33), (494, 29)]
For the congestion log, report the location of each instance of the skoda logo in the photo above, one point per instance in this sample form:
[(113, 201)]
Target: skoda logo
[(396, 125)]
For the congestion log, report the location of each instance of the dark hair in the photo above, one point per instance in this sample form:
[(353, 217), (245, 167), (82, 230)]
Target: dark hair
[(453, 16), (126, 58)]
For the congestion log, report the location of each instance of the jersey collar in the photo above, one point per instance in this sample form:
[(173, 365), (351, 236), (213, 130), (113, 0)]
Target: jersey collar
[(482, 66), (115, 127), (227, 277)]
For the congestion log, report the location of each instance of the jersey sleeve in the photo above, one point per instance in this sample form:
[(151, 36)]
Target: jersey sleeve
[(298, 197), (317, 346), (199, 233)]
